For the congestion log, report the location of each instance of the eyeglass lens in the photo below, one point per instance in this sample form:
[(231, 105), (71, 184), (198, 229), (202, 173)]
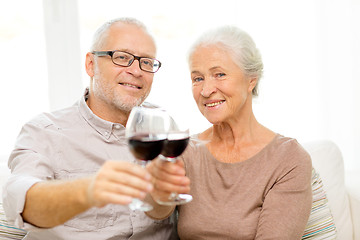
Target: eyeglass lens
[(126, 59)]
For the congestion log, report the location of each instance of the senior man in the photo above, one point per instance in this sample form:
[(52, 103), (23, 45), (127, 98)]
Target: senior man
[(72, 173)]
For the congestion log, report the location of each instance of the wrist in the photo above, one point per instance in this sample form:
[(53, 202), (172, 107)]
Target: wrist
[(160, 211), (84, 196)]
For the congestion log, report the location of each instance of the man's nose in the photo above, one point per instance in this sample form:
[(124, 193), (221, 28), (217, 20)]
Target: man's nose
[(134, 67)]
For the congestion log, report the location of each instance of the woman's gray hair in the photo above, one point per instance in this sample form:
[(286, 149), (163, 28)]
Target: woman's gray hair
[(240, 46), (101, 34)]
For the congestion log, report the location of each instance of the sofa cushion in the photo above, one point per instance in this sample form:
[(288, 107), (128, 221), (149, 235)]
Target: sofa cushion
[(8, 231), (327, 160), (321, 223)]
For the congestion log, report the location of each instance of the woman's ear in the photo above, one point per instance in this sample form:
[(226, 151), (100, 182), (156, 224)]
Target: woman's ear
[(90, 64), (252, 84)]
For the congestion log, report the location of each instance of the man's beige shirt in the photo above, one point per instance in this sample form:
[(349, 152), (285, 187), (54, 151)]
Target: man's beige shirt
[(68, 144)]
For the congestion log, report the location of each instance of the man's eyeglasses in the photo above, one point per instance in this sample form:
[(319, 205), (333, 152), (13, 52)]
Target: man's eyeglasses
[(125, 59)]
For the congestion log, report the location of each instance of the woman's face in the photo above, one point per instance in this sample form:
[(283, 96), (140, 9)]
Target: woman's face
[(219, 86)]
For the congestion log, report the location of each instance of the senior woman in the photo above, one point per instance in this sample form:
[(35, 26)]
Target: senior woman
[(247, 181)]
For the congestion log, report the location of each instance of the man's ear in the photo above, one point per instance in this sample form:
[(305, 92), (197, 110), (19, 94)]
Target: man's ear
[(90, 64)]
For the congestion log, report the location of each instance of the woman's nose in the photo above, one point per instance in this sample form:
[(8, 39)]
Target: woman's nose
[(208, 88)]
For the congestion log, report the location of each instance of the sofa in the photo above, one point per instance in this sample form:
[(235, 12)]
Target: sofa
[(342, 190)]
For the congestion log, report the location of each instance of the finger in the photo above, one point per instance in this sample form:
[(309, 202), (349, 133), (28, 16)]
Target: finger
[(172, 179), (163, 186), (121, 189), (133, 182), (100, 190), (125, 179), (130, 168), (174, 168), (116, 198), (168, 167), (98, 196)]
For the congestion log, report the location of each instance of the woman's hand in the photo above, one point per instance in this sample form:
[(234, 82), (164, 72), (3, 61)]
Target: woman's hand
[(168, 177)]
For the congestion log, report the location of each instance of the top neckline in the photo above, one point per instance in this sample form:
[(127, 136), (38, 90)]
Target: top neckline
[(257, 155)]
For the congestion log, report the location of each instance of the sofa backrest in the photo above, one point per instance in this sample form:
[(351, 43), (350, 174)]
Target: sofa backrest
[(328, 161)]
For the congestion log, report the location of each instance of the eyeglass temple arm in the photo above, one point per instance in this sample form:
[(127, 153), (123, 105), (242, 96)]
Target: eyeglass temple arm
[(102, 53)]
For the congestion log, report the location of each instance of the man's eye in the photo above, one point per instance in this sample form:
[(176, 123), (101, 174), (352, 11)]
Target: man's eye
[(147, 62), (220, 74), (121, 57)]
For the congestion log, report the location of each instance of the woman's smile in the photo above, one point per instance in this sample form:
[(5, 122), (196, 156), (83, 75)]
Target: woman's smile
[(213, 104)]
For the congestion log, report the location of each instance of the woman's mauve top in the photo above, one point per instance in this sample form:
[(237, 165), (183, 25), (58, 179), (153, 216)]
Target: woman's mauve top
[(268, 196)]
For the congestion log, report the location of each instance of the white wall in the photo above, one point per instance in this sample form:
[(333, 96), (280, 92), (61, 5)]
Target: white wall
[(61, 28), (310, 48), (23, 67)]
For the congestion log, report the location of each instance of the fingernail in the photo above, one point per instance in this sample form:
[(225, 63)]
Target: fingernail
[(185, 181), (128, 199), (148, 176), (142, 195), (150, 187)]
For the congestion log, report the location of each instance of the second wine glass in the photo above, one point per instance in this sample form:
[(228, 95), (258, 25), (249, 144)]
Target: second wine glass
[(175, 144)]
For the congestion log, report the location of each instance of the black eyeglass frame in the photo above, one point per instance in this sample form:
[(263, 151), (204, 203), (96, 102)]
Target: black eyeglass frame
[(111, 53)]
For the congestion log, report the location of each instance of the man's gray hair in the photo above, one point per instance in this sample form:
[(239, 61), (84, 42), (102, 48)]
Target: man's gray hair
[(101, 33)]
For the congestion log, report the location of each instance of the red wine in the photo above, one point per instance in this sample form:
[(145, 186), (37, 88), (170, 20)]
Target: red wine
[(144, 147), (174, 147)]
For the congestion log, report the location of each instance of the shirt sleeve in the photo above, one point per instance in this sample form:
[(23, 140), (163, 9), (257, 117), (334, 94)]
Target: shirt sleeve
[(29, 164), (287, 204), (14, 198)]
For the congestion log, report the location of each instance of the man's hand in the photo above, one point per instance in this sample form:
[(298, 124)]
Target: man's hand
[(51, 203), (118, 182)]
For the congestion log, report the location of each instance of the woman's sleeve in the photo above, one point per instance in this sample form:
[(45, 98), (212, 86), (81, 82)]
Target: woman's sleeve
[(287, 205)]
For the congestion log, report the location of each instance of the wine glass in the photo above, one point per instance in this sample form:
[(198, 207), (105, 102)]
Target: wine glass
[(175, 144), (146, 134)]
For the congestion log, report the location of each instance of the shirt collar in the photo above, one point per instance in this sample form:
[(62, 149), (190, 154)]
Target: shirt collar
[(105, 128)]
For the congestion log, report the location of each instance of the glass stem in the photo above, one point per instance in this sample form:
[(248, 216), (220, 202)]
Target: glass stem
[(142, 163)]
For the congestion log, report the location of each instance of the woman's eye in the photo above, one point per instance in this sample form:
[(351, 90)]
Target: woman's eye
[(220, 74), (197, 79)]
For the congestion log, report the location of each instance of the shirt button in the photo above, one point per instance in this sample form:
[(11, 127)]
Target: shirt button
[(117, 127)]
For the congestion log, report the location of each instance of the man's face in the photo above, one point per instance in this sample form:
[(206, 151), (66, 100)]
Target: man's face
[(115, 87)]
